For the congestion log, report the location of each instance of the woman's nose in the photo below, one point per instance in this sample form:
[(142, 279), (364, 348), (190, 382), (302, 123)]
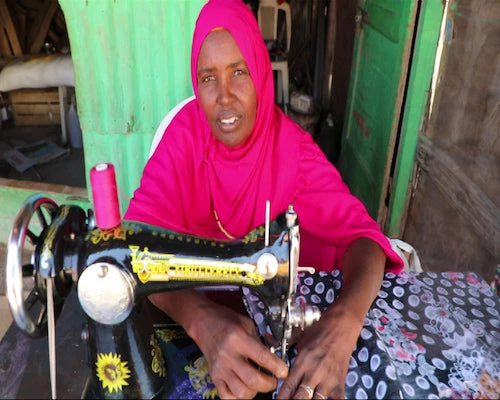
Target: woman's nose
[(224, 91)]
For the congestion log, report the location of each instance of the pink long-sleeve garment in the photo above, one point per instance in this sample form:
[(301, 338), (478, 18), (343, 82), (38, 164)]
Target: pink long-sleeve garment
[(192, 179)]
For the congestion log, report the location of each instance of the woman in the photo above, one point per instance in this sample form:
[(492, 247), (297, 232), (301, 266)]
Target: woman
[(223, 155)]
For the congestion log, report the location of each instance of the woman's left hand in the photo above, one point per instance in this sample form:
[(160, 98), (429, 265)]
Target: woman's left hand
[(320, 368)]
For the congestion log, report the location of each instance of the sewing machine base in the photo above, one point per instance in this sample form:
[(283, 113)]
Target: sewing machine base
[(24, 365), (24, 369)]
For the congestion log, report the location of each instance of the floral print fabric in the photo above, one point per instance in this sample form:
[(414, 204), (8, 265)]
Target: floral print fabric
[(426, 336)]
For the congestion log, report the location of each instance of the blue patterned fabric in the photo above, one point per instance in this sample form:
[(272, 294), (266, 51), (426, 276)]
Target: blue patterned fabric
[(426, 336)]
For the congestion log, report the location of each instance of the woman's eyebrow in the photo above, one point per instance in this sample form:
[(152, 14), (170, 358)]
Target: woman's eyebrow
[(206, 70), (232, 65), (237, 64)]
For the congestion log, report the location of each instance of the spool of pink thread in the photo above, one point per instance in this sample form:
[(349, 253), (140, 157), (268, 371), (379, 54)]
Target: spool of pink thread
[(105, 196)]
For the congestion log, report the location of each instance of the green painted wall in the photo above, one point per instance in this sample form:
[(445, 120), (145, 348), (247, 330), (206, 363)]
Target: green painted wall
[(132, 64)]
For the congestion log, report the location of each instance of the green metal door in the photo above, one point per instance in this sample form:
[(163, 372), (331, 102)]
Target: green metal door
[(382, 47)]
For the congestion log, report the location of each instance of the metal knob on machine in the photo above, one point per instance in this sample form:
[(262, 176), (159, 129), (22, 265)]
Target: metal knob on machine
[(267, 265), (303, 315), (106, 293)]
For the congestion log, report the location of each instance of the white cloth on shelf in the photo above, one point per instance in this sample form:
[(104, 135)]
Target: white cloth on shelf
[(52, 70)]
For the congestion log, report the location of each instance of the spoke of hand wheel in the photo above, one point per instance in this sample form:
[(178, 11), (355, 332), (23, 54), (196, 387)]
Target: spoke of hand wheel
[(32, 237), (31, 299), (41, 218), (42, 318)]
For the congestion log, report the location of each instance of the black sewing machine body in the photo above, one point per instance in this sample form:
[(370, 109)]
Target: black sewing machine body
[(162, 260), (116, 269)]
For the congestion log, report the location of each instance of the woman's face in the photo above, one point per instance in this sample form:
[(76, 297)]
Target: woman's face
[(225, 89)]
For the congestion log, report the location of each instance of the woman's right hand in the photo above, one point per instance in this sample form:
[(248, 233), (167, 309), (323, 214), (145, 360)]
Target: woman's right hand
[(239, 364)]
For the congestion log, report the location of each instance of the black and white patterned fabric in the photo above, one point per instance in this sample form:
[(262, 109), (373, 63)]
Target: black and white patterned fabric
[(426, 336)]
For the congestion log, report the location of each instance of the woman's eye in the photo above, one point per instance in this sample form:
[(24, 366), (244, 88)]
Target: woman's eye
[(240, 72), (207, 78)]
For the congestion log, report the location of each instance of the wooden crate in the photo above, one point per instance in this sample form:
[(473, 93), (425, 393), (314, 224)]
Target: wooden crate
[(35, 106)]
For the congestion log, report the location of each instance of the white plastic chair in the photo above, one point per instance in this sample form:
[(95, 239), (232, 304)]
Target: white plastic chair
[(267, 16), (166, 122), (408, 254)]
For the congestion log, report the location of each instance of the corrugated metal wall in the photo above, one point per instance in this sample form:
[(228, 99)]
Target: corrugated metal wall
[(131, 60)]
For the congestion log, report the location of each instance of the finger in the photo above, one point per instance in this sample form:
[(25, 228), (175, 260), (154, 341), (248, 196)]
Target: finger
[(263, 357), (304, 392), (318, 394), (234, 388), (252, 349), (296, 377), (223, 391), (255, 379), (325, 390), (287, 389)]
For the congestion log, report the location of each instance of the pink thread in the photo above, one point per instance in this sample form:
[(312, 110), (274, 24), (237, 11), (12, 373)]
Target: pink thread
[(105, 196)]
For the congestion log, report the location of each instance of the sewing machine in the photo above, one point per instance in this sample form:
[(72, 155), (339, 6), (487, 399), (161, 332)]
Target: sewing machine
[(116, 269)]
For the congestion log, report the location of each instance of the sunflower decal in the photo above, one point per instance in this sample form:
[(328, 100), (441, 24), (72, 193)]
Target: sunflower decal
[(112, 372)]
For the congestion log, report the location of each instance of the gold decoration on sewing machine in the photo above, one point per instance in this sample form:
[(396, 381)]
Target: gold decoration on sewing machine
[(158, 361), (112, 371), (186, 238), (167, 335), (254, 235), (51, 234), (119, 233), (169, 267)]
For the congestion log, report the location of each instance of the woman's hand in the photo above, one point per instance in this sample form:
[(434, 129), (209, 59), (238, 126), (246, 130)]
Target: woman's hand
[(320, 368), (239, 364)]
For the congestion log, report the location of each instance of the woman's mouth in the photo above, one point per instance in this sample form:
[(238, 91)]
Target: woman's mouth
[(228, 123), (228, 120)]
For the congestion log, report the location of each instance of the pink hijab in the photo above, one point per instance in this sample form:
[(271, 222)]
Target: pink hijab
[(192, 177)]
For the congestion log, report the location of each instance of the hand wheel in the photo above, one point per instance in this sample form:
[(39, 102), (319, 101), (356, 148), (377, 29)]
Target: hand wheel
[(23, 227)]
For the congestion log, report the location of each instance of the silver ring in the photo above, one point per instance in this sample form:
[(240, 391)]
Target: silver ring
[(319, 395), (308, 389)]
